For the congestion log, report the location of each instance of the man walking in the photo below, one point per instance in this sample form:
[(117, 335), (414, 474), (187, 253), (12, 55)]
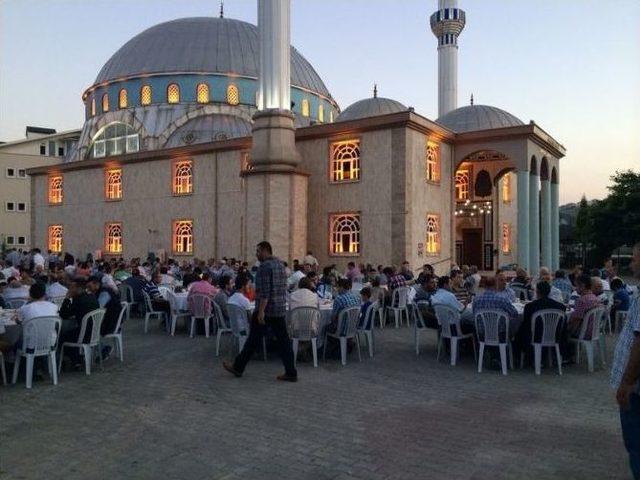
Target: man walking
[(271, 288), (625, 375)]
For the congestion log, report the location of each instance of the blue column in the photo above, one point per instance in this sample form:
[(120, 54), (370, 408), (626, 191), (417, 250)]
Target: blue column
[(534, 224), (555, 226), (523, 219), (545, 219)]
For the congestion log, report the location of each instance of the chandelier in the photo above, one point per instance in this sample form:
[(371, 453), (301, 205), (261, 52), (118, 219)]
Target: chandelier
[(472, 209)]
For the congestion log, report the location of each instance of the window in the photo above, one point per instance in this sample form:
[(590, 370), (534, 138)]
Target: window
[(22, 173), (321, 113), (183, 236), (145, 95), (344, 234), (433, 162), (183, 177), (433, 234), (55, 189), (11, 240), (202, 93), (52, 149), (330, 116), (10, 206), (61, 151), (93, 107), (462, 184), (113, 238), (233, 95), (506, 238), (245, 164), (11, 172), (22, 240), (506, 188), (345, 161), (54, 240), (114, 139), (173, 93), (105, 102), (305, 107), (43, 149), (22, 207), (113, 184), (122, 98)]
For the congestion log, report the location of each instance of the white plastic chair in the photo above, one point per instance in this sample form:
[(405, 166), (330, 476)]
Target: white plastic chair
[(175, 313), (450, 328), (96, 317), (591, 323), (39, 339), (150, 312), (492, 329), (15, 303), (303, 324), (347, 328), (621, 319), (399, 304), (2, 368), (550, 320), (419, 324), (116, 335), (200, 308), (239, 323), (126, 295), (222, 325), (366, 328)]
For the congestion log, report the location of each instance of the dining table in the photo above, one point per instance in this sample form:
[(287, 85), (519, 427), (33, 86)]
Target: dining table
[(10, 329)]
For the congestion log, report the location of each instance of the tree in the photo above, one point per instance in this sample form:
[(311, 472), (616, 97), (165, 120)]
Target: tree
[(583, 230)]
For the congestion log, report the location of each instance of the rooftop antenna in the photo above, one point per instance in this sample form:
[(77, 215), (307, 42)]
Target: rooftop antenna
[(221, 8), (375, 90), (472, 99)]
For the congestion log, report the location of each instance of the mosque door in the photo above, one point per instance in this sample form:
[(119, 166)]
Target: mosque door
[(472, 247)]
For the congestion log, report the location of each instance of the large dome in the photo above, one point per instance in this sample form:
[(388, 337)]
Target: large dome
[(371, 107), (478, 117), (201, 45)]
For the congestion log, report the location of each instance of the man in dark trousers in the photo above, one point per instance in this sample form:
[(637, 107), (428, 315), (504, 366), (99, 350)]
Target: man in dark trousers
[(270, 311)]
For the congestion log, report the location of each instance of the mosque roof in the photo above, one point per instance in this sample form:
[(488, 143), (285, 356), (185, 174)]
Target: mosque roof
[(478, 117), (370, 107)]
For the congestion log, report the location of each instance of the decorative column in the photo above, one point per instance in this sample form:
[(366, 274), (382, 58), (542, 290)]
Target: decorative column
[(534, 224), (545, 219), (555, 225), (276, 198), (523, 219)]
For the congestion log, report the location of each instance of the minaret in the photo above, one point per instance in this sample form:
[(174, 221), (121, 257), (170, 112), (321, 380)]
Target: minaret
[(446, 25)]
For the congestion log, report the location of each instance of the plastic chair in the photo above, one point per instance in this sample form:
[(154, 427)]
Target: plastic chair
[(419, 324), (492, 329), (126, 295), (621, 319), (116, 335), (150, 312), (3, 370), (399, 304), (550, 320), (200, 308), (175, 313), (15, 303), (39, 339), (450, 328), (347, 328), (303, 323), (222, 325), (96, 317), (239, 323), (591, 326), (366, 328)]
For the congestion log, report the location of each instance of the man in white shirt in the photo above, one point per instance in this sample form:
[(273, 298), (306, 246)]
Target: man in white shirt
[(304, 296), (56, 289), (38, 306), (38, 259), (445, 296), (239, 298), (15, 290), (312, 261), (295, 278)]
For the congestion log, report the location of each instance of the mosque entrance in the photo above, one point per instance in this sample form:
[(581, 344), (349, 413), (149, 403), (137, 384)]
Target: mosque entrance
[(472, 246)]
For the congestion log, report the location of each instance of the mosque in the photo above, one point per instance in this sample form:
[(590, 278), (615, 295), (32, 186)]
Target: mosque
[(203, 136)]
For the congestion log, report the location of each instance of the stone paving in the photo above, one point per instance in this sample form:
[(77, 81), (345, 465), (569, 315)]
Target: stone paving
[(171, 412)]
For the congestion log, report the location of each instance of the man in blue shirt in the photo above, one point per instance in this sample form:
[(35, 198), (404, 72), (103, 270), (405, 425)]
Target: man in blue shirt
[(344, 299)]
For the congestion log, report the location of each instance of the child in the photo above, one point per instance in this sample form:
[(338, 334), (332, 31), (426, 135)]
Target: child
[(365, 296)]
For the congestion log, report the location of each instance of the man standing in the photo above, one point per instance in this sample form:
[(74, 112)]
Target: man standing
[(625, 375), (271, 288)]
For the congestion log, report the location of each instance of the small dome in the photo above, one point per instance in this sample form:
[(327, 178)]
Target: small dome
[(371, 107), (478, 117)]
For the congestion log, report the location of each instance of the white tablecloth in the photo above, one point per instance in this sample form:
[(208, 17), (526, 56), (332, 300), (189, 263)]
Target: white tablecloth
[(181, 301)]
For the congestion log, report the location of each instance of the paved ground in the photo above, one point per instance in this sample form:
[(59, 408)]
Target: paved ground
[(171, 412)]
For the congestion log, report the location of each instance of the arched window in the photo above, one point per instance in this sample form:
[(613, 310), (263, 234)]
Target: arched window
[(202, 93), (55, 238), (433, 234), (183, 236), (93, 106), (122, 98), (105, 103), (433, 162), (114, 139), (113, 184), (183, 177), (145, 95), (506, 238), (173, 93), (113, 238), (463, 176), (56, 189), (233, 95), (330, 116), (344, 235), (345, 161), (320, 113), (506, 188), (305, 107)]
